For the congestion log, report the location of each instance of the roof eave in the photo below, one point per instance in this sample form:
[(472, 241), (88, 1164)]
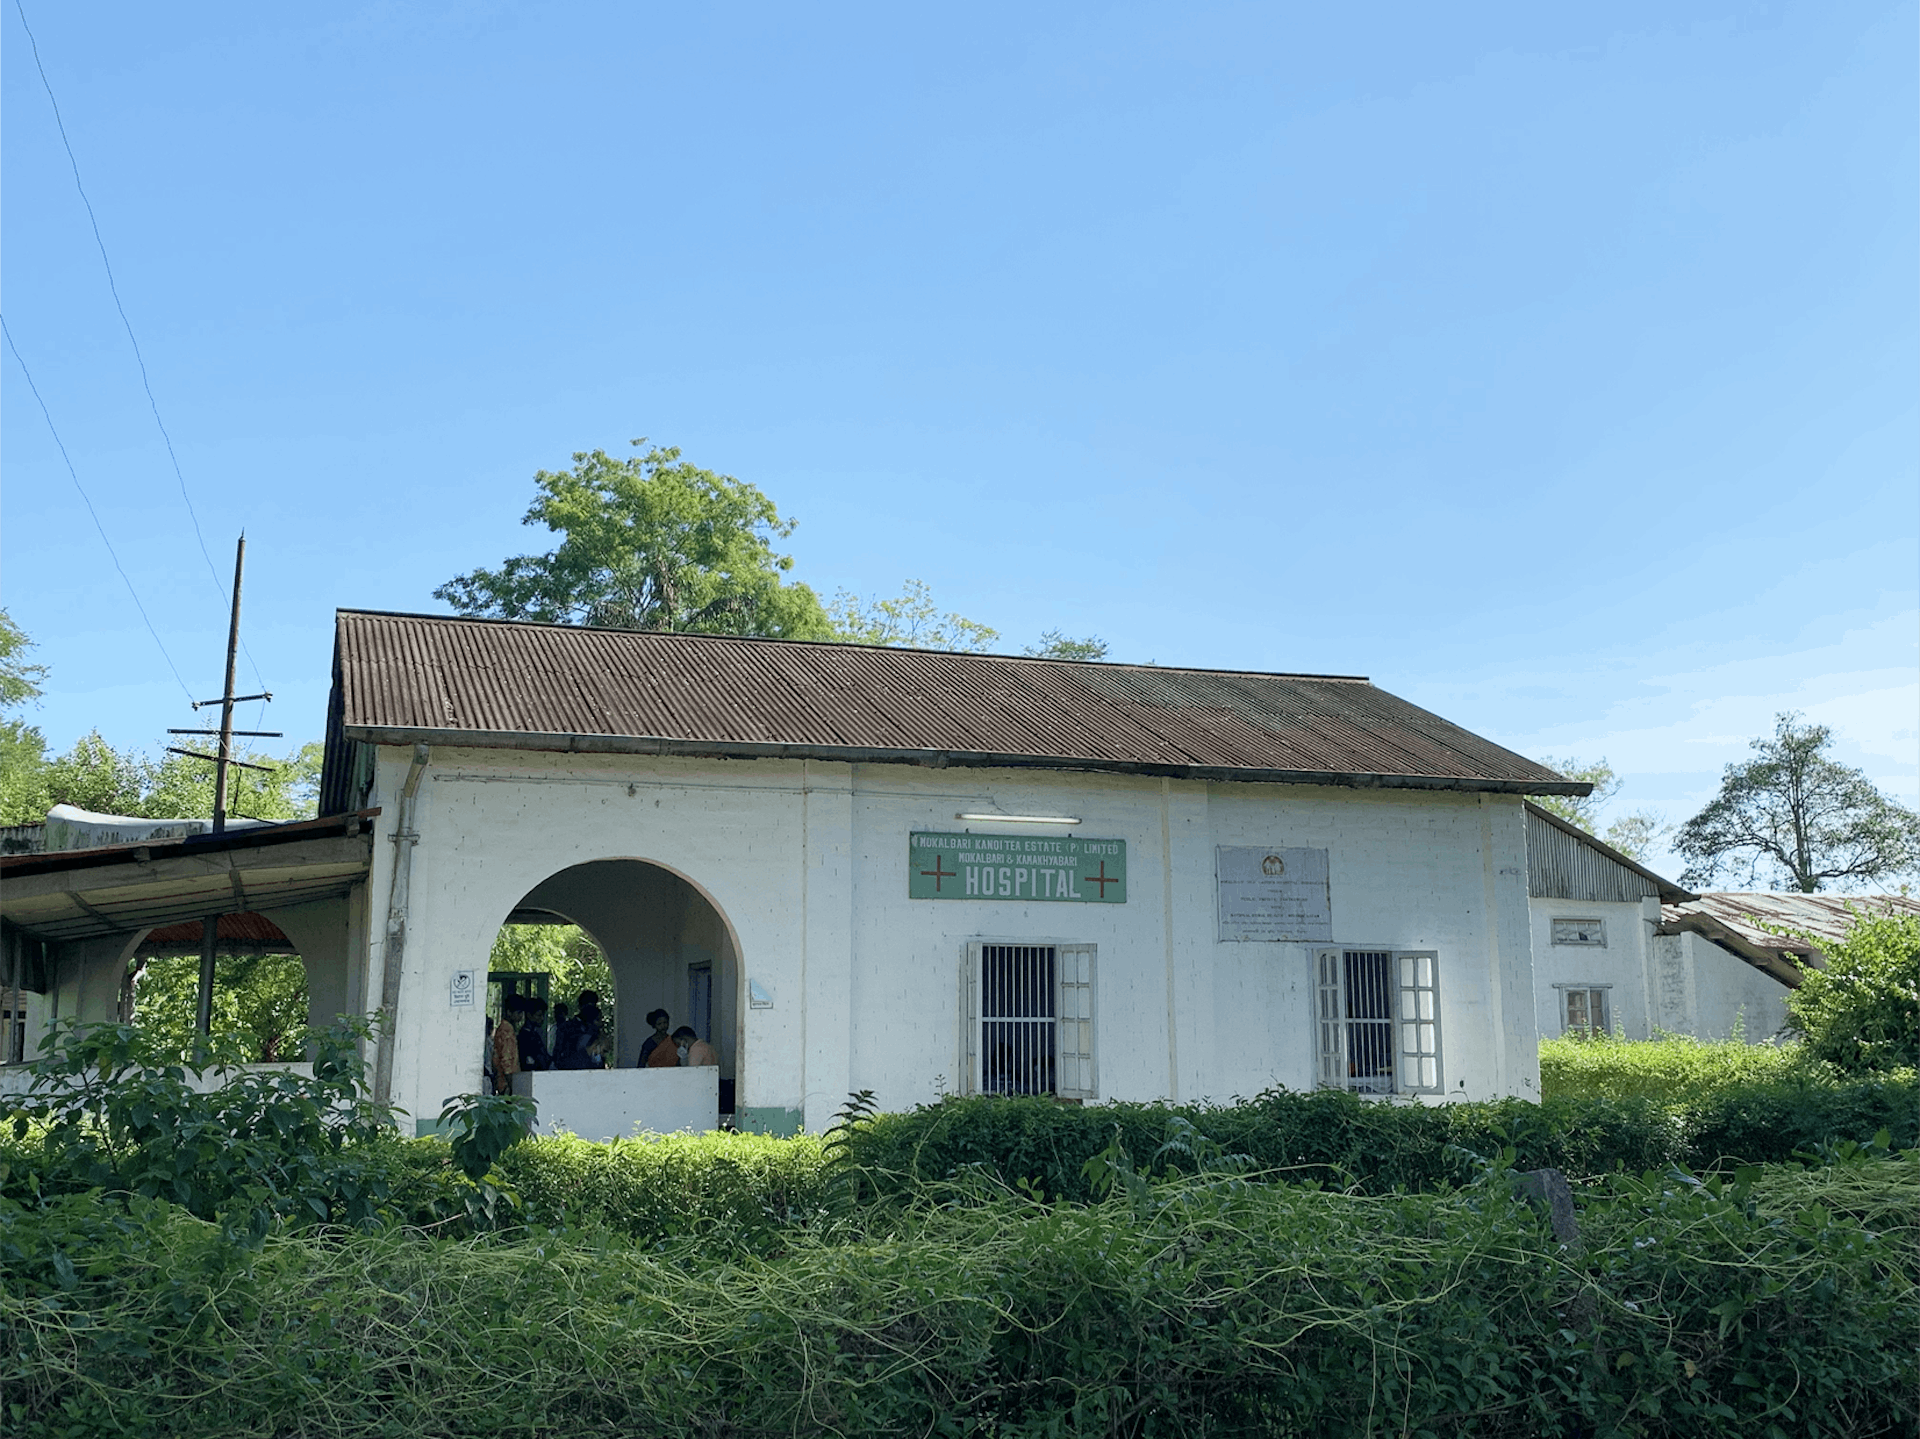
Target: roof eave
[(554, 742)]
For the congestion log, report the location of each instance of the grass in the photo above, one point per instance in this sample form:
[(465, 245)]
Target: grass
[(1201, 1306)]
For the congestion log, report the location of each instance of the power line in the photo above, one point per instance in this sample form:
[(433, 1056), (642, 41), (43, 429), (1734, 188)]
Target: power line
[(75, 476), (139, 359)]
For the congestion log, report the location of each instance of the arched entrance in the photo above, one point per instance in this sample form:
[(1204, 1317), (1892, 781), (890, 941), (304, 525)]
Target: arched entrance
[(260, 985), (666, 946)]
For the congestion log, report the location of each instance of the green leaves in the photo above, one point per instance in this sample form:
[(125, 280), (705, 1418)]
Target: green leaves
[(1795, 818), (1861, 1013), (649, 543)]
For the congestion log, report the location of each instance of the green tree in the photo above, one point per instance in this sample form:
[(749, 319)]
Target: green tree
[(1795, 818), (1634, 835), (911, 620), (258, 999), (564, 951), (23, 748), (1862, 1012), (1056, 646), (649, 543)]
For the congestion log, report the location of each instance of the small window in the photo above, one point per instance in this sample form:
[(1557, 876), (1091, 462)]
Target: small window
[(1379, 1021), (1584, 1011), (1580, 931), (13, 1036), (1031, 1026)]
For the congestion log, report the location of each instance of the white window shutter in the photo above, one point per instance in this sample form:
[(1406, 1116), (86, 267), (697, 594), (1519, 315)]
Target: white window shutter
[(1074, 1076), (1331, 1020), (970, 1017), (1419, 1020)]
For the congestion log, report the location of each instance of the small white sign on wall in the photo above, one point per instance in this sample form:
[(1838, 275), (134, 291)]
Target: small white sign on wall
[(463, 990), (1273, 894)]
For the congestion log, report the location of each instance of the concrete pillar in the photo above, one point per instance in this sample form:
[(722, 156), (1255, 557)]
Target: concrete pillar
[(322, 935), (826, 953)]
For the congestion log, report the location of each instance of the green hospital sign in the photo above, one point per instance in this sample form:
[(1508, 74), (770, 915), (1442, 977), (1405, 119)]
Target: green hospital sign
[(1013, 866)]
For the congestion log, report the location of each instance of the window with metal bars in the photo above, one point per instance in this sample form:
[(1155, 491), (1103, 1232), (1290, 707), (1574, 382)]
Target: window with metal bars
[(1030, 1027), (1378, 1020), (1584, 1010)]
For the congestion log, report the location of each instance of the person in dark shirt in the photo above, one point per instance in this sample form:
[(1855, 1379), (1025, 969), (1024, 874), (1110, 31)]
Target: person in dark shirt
[(662, 1024), (533, 1038), (597, 1037), (569, 1041)]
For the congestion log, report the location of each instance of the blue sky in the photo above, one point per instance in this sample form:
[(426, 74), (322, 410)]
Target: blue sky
[(1556, 369)]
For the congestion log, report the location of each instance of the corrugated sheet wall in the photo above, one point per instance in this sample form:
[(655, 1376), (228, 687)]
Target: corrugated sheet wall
[(1560, 867)]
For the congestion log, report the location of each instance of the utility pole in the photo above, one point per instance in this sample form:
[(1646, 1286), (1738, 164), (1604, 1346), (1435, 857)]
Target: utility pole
[(222, 760)]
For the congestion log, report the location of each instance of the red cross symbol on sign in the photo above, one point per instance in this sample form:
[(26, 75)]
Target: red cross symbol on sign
[(937, 873), (1103, 879)]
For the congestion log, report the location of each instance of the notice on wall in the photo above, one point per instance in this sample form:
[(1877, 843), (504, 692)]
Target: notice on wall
[(1272, 894), (463, 989), (1016, 866)]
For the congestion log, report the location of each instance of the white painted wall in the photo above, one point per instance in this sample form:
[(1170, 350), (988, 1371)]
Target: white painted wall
[(1681, 983), (805, 863), (1704, 990), (1623, 967)]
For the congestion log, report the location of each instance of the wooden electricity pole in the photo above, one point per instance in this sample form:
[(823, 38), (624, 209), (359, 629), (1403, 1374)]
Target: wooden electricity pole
[(222, 760)]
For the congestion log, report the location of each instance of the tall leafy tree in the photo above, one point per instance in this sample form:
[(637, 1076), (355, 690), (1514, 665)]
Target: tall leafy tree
[(23, 748), (1055, 645), (1795, 818), (651, 542), (1634, 835), (911, 620)]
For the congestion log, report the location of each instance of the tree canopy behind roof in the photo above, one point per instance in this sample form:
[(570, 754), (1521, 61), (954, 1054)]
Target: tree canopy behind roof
[(650, 542)]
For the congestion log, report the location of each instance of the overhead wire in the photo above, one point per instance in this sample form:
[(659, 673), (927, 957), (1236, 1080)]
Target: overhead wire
[(139, 359), (74, 475)]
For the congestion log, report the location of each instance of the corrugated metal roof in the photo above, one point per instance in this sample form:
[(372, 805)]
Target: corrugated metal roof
[(1741, 919), (441, 679), (247, 929), (1565, 862)]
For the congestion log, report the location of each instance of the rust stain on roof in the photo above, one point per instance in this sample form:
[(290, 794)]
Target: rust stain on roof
[(452, 680)]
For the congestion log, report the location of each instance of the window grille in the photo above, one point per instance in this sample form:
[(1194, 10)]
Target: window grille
[(1032, 1023), (1591, 932), (1586, 1011), (1363, 997)]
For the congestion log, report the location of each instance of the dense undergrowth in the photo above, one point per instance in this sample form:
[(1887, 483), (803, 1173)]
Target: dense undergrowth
[(272, 1262), (1675, 1068)]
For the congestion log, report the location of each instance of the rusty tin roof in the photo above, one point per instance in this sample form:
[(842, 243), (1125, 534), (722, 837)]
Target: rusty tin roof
[(1774, 929), (401, 678)]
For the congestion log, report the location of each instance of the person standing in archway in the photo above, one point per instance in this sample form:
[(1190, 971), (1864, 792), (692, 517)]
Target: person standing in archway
[(662, 1023), (506, 1049)]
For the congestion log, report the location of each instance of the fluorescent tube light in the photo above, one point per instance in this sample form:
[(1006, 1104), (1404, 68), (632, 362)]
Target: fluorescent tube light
[(1019, 818)]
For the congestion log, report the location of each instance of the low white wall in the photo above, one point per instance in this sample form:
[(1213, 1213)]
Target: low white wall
[(603, 1104), (17, 1079)]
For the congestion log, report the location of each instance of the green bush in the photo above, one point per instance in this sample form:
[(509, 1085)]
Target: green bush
[(112, 1112), (1206, 1305), (733, 1191), (1326, 1136), (1861, 1013), (1341, 1139), (1673, 1067)]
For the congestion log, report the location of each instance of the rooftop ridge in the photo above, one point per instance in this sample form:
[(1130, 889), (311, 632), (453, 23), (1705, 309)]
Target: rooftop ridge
[(701, 635)]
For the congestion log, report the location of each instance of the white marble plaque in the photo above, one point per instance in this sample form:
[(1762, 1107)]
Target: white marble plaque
[(1273, 894)]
